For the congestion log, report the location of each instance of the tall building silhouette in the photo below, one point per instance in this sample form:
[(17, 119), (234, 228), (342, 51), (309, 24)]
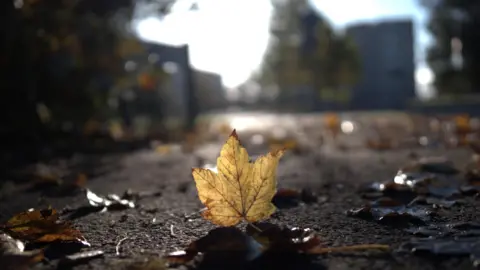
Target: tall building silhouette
[(387, 53)]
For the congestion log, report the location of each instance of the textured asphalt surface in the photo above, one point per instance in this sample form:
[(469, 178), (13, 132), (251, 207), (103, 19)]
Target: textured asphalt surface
[(158, 226)]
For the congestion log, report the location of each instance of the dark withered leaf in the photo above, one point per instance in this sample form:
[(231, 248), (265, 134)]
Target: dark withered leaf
[(13, 256), (10, 245), (42, 226), (111, 202), (286, 197), (426, 231), (44, 182), (275, 238), (224, 245), (461, 229), (138, 195), (385, 202), (433, 201), (438, 165), (473, 175), (80, 258), (394, 216), (470, 190), (398, 192), (451, 246), (406, 186), (475, 146), (97, 203)]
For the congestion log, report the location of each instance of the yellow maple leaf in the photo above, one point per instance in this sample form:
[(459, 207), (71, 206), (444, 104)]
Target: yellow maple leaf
[(241, 189)]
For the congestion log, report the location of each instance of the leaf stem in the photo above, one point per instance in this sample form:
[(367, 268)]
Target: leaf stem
[(195, 213), (255, 227), (320, 250), (117, 247)]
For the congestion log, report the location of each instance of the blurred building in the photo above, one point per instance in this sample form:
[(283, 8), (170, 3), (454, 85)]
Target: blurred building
[(387, 54), (166, 80), (209, 89)]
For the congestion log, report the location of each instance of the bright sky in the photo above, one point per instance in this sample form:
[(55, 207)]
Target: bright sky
[(229, 37)]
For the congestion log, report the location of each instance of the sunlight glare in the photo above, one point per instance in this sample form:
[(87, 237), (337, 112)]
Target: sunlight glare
[(424, 76), (242, 123), (227, 37)]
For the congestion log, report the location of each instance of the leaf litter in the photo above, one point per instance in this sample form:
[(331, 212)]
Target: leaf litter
[(423, 183), (259, 244), (413, 196), (49, 235), (46, 230), (98, 203), (13, 255), (242, 190), (33, 235), (286, 197), (42, 226)]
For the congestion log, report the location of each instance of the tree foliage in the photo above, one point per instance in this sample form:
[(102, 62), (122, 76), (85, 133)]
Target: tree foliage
[(454, 20), (66, 55), (329, 62)]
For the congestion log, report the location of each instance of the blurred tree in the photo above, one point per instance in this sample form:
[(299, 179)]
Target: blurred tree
[(455, 57), (305, 50), (64, 55)]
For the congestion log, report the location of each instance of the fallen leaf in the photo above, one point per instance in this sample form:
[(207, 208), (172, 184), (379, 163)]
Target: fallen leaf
[(80, 258), (240, 189), (450, 246), (447, 239), (262, 245), (394, 215), (435, 202), (285, 197), (132, 195), (42, 226), (163, 149), (286, 144), (379, 144), (81, 180), (275, 238), (112, 202), (438, 165), (13, 256), (226, 245), (462, 229)]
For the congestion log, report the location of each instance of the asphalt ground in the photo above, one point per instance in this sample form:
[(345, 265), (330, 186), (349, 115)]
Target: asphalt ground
[(158, 225)]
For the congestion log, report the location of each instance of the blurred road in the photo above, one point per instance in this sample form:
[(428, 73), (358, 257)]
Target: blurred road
[(159, 224), (258, 129)]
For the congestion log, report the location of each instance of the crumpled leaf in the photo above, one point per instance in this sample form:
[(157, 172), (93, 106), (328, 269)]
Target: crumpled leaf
[(439, 165), (435, 202), (275, 238), (447, 239), (80, 258), (285, 197), (290, 144), (13, 256), (225, 245), (392, 213), (462, 229), (259, 246), (449, 246), (42, 226), (112, 202), (240, 189)]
